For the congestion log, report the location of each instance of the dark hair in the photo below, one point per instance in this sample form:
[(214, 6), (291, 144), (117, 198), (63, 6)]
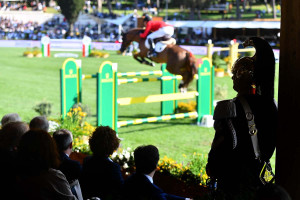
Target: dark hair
[(147, 18), (272, 191), (11, 134), (39, 122), (146, 158), (63, 139), (37, 152), (104, 141)]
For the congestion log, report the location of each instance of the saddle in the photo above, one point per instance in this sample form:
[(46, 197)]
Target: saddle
[(165, 40)]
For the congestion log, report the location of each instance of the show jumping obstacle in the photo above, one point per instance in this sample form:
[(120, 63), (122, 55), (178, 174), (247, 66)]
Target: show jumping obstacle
[(107, 92), (49, 45)]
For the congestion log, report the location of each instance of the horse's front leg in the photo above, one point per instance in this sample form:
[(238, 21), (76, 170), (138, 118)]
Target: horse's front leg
[(142, 59), (137, 56), (150, 62)]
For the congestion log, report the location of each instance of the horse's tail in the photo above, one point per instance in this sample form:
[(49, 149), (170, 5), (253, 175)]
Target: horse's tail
[(191, 63)]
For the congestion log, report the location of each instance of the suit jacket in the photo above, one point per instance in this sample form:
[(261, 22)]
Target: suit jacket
[(139, 187), (70, 168), (101, 178)]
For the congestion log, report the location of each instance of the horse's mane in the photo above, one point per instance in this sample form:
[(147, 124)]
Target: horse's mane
[(135, 30)]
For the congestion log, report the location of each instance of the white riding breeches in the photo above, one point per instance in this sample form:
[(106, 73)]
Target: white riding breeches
[(164, 31)]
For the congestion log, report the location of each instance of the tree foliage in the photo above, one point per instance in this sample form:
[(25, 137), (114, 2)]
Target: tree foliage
[(70, 9)]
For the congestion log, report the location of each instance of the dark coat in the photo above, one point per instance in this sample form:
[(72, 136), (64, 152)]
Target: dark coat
[(138, 187), (70, 168), (231, 159), (101, 178)]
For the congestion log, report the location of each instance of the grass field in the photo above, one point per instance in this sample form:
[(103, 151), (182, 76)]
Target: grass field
[(25, 82)]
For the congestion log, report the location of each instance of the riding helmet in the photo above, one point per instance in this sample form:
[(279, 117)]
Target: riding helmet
[(147, 18)]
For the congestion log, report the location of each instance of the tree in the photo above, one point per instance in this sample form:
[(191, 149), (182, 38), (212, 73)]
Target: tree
[(274, 8), (70, 9), (109, 7), (238, 11), (196, 6), (99, 5)]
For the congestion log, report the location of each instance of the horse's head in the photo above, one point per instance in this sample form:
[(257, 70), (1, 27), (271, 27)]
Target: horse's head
[(128, 37)]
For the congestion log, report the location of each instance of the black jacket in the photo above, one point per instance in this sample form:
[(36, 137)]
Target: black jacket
[(231, 159)]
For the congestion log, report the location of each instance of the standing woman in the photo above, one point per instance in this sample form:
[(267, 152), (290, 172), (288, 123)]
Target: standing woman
[(233, 160)]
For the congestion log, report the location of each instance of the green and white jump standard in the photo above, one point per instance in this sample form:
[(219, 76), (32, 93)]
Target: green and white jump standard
[(107, 92)]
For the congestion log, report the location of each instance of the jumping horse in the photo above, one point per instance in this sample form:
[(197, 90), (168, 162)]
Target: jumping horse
[(179, 61)]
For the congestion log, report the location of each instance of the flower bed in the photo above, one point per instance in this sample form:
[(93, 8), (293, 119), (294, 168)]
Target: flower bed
[(189, 178)]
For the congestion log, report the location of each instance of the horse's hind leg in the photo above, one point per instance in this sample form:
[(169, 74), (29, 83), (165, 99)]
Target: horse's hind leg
[(186, 79)]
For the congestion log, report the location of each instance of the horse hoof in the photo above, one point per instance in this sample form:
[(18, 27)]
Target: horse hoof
[(152, 64), (183, 90)]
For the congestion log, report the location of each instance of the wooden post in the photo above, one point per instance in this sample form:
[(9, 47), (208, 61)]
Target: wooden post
[(288, 137)]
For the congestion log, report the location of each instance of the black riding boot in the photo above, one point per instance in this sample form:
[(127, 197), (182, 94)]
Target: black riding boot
[(151, 52)]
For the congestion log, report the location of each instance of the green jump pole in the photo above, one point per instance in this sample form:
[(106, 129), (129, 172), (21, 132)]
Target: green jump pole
[(205, 88), (70, 85), (107, 95), (168, 87)]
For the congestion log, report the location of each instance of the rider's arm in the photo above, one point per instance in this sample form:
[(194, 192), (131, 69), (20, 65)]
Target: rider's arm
[(147, 30)]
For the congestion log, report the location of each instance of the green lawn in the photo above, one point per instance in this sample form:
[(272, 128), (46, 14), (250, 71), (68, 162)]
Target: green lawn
[(24, 82)]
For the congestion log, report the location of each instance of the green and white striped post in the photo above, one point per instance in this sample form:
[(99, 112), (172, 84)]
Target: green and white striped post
[(70, 84), (107, 113)]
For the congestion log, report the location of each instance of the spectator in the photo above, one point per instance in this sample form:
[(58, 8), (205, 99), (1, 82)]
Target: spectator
[(70, 168), (101, 177), (233, 160), (140, 185), (39, 122), (10, 137), (37, 164), (11, 117)]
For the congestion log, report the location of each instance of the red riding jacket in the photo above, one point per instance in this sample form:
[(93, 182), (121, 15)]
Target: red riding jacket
[(153, 26)]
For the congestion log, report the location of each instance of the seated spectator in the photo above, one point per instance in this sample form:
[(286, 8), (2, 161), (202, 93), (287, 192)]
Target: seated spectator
[(39, 123), (101, 177), (140, 185), (11, 117), (272, 192), (37, 162), (10, 137), (70, 168)]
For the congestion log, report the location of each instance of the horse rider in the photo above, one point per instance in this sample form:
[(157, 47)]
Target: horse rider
[(159, 29)]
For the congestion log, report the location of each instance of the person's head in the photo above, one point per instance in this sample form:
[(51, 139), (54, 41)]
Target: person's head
[(39, 122), (146, 159), (37, 151), (104, 141), (272, 192), (146, 19), (11, 117), (11, 134), (242, 75), (63, 139)]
